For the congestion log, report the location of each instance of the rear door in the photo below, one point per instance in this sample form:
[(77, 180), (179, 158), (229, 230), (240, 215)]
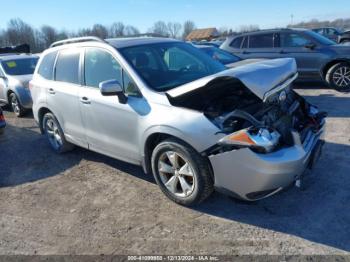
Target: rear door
[(261, 45), (62, 94)]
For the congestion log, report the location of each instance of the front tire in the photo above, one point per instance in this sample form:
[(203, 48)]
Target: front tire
[(16, 106), (338, 76), (181, 172), (55, 135)]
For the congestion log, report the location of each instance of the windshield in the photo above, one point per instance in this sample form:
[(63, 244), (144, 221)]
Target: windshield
[(164, 66), (220, 55), (24, 66), (320, 38)]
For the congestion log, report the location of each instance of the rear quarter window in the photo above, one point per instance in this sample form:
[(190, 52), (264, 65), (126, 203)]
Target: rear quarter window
[(67, 66), (46, 66), (236, 43)]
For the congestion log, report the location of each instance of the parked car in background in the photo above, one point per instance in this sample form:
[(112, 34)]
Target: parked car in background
[(218, 54), (224, 57), (2, 122), (184, 117), (215, 43), (329, 32), (15, 73), (344, 38), (317, 57)]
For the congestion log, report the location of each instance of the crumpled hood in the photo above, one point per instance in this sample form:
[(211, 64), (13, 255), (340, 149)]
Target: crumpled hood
[(245, 62), (259, 77)]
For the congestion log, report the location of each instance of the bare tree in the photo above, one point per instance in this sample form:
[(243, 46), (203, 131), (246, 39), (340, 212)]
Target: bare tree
[(314, 23), (188, 27), (48, 35), (131, 30), (82, 32), (99, 31), (160, 28), (174, 29), (19, 32), (248, 28), (117, 29)]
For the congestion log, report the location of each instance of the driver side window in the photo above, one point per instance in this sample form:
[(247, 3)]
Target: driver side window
[(294, 40), (100, 66)]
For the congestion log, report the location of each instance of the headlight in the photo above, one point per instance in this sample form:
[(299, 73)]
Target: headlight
[(261, 139)]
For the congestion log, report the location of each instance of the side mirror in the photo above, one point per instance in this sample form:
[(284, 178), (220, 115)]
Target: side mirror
[(310, 46), (113, 88)]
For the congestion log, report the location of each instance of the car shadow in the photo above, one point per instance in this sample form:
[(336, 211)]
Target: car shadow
[(335, 106), (318, 212), (27, 157)]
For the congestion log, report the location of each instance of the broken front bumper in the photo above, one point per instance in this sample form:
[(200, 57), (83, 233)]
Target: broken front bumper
[(252, 176)]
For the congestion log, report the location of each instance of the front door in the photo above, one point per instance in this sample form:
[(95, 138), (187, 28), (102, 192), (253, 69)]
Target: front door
[(110, 127), (304, 50)]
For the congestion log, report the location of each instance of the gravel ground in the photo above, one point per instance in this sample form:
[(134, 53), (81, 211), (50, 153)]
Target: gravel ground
[(86, 203)]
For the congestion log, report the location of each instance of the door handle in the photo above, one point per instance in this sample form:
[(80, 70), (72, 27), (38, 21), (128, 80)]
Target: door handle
[(85, 100), (282, 52), (245, 52), (52, 91)]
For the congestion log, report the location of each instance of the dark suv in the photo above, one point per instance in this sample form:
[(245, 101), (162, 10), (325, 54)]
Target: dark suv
[(316, 56)]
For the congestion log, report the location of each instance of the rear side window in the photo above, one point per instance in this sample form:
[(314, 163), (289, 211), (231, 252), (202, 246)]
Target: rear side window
[(236, 43), (67, 66), (46, 66), (261, 41)]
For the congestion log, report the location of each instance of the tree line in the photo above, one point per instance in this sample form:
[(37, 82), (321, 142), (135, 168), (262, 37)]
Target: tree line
[(341, 24), (20, 32)]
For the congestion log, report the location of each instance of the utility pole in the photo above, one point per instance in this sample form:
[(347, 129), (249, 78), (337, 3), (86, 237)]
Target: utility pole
[(291, 19)]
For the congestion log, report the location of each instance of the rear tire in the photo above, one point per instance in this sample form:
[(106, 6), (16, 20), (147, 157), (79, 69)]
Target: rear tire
[(55, 135), (338, 76), (181, 172), (16, 106)]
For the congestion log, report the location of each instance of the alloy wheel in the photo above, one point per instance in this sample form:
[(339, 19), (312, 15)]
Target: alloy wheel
[(341, 77), (15, 105), (53, 133), (176, 174)]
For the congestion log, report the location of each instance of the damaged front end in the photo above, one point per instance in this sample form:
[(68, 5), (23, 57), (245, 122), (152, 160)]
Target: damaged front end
[(265, 126), (268, 134)]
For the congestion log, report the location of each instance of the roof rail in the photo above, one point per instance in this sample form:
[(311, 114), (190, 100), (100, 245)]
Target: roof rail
[(77, 40)]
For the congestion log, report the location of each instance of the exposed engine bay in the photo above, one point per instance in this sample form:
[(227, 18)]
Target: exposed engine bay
[(235, 110)]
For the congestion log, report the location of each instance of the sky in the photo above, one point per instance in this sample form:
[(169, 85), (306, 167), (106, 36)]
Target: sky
[(75, 14)]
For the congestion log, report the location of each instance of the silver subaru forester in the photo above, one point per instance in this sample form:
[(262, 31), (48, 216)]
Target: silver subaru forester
[(184, 117)]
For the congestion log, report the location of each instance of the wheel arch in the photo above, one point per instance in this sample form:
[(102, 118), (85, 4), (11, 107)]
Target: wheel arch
[(41, 112), (153, 137), (328, 65)]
